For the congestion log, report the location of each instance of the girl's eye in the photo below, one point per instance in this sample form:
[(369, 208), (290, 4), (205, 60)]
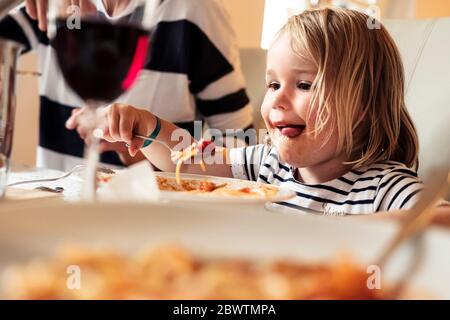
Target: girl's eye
[(273, 86), (304, 86)]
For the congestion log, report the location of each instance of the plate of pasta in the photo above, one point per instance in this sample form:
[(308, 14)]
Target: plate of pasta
[(191, 187)]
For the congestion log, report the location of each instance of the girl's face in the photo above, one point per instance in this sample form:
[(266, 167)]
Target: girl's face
[(285, 107)]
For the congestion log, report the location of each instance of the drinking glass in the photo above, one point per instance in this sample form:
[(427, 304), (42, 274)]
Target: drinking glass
[(101, 46)]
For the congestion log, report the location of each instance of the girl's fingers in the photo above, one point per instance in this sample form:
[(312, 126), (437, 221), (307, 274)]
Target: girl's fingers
[(135, 146), (114, 118), (122, 120), (107, 136), (126, 129)]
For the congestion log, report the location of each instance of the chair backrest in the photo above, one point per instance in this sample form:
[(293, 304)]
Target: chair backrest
[(425, 50), (253, 65)]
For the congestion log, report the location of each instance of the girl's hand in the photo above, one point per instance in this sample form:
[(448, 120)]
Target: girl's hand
[(122, 152), (124, 121)]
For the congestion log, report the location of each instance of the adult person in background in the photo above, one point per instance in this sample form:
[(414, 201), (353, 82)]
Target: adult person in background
[(193, 70)]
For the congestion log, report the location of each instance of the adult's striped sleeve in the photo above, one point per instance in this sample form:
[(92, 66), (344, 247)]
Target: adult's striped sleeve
[(201, 44), (19, 27)]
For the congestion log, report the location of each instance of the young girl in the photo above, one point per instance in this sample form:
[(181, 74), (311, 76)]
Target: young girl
[(341, 135)]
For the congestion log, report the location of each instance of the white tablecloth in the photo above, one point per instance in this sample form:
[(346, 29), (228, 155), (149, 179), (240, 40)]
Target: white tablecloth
[(72, 185)]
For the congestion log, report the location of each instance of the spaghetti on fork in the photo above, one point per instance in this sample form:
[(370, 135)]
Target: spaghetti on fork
[(201, 148)]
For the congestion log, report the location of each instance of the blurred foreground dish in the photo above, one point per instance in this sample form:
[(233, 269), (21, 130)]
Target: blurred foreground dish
[(171, 272)]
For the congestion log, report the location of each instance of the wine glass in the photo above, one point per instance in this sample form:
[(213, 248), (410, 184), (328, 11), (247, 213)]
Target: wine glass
[(101, 46)]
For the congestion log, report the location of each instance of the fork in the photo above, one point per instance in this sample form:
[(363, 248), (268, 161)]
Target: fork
[(158, 141), (155, 140), (69, 173)]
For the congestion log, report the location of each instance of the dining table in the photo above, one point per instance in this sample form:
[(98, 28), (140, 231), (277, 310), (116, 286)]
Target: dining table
[(36, 222), (18, 195), (25, 192)]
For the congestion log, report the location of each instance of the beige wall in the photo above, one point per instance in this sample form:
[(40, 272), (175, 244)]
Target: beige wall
[(26, 124), (247, 18), (247, 15), (397, 9), (432, 8)]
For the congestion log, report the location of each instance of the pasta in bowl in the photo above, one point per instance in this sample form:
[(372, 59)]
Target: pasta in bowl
[(173, 272)]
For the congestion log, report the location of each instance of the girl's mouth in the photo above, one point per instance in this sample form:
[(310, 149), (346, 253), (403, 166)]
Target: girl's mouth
[(291, 131)]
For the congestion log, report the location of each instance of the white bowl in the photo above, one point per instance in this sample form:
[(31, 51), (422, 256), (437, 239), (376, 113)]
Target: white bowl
[(215, 231)]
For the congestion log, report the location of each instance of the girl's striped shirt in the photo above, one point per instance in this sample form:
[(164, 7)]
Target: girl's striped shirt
[(382, 186)]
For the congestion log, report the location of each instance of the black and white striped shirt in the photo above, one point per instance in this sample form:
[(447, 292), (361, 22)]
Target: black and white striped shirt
[(383, 186), (194, 69)]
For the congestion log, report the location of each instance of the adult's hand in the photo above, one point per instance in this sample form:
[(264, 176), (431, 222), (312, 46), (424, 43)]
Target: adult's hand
[(76, 122), (37, 9)]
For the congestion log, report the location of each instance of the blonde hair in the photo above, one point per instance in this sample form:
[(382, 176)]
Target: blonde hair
[(359, 86)]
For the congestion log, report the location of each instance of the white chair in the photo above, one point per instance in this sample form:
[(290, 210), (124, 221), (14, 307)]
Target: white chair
[(253, 65), (425, 49)]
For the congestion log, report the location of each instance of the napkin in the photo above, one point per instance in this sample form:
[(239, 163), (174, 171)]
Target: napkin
[(135, 184)]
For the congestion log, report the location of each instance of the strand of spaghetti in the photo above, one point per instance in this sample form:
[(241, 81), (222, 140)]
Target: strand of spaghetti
[(184, 155), (177, 171), (202, 165)]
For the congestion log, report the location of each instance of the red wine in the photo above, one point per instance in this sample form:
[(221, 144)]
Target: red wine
[(100, 61)]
